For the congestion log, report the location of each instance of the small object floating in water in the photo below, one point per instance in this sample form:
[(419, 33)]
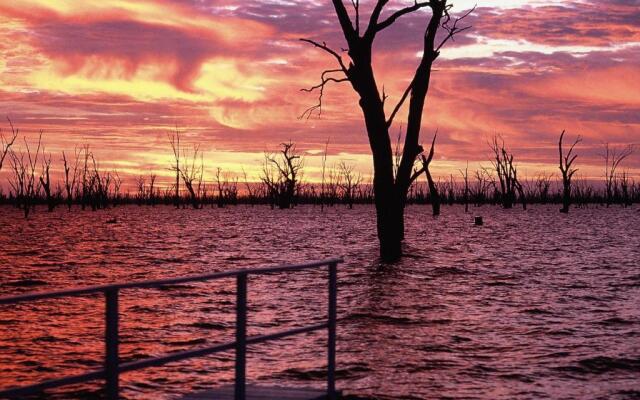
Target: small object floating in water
[(113, 220), (478, 220)]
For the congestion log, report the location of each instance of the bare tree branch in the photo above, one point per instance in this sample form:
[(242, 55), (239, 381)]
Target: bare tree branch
[(373, 20), (399, 105), (5, 144), (345, 22), (453, 29), (407, 10), (329, 50), (356, 7), (324, 80)]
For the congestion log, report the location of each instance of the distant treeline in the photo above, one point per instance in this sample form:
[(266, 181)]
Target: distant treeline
[(541, 190), (85, 185)]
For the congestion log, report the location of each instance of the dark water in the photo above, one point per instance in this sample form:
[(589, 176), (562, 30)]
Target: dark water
[(532, 305)]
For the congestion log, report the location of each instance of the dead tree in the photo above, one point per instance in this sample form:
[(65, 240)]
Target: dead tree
[(45, 181), (221, 187), (251, 192), (483, 182), (567, 170), (18, 180), (191, 174), (465, 178), (101, 185), (24, 182), (151, 193), (324, 170), (434, 195), (543, 186), (613, 157), (230, 189), (332, 186), (174, 141), (88, 183), (5, 144), (288, 165), (141, 186), (349, 183), (269, 182), (506, 172), (117, 184), (390, 188), (70, 176), (625, 191)]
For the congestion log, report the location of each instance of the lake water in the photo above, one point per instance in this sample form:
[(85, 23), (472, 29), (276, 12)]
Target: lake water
[(533, 304)]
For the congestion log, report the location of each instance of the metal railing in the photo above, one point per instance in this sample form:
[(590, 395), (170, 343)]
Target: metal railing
[(112, 366)]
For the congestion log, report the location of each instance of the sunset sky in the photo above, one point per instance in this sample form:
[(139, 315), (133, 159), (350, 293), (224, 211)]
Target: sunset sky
[(120, 75)]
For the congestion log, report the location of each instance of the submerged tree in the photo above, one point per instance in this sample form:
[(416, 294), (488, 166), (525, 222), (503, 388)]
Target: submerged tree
[(45, 181), (281, 174), (192, 174), (390, 188), (465, 179), (506, 172), (434, 195), (613, 157), (566, 167), (24, 183), (71, 176), (349, 182), (174, 141)]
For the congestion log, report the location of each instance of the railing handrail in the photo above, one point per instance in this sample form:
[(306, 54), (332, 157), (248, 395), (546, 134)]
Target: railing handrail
[(113, 367), (166, 281)]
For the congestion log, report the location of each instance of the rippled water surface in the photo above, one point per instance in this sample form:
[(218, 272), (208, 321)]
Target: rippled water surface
[(533, 304)]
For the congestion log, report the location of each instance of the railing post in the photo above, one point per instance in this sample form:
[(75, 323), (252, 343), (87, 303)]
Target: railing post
[(331, 350), (111, 342), (241, 336)]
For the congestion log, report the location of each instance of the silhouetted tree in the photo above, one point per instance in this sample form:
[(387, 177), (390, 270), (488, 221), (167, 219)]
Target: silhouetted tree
[(70, 176), (141, 186), (465, 179), (151, 193), (24, 183), (191, 174), (220, 197), (251, 191), (506, 172), (101, 186), (566, 167), (626, 186), (324, 170), (434, 196), (480, 190), (45, 181), (6, 143), (349, 183), (390, 189), (117, 184), (287, 165), (174, 141), (543, 186), (613, 157)]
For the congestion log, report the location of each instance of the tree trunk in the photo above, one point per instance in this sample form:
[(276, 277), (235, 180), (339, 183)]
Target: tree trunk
[(388, 199), (390, 224), (566, 199)]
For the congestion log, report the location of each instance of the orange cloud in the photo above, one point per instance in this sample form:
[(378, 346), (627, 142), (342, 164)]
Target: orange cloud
[(121, 74)]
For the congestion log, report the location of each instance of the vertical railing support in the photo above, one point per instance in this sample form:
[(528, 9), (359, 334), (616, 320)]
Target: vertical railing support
[(241, 336), (111, 341), (331, 345)]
